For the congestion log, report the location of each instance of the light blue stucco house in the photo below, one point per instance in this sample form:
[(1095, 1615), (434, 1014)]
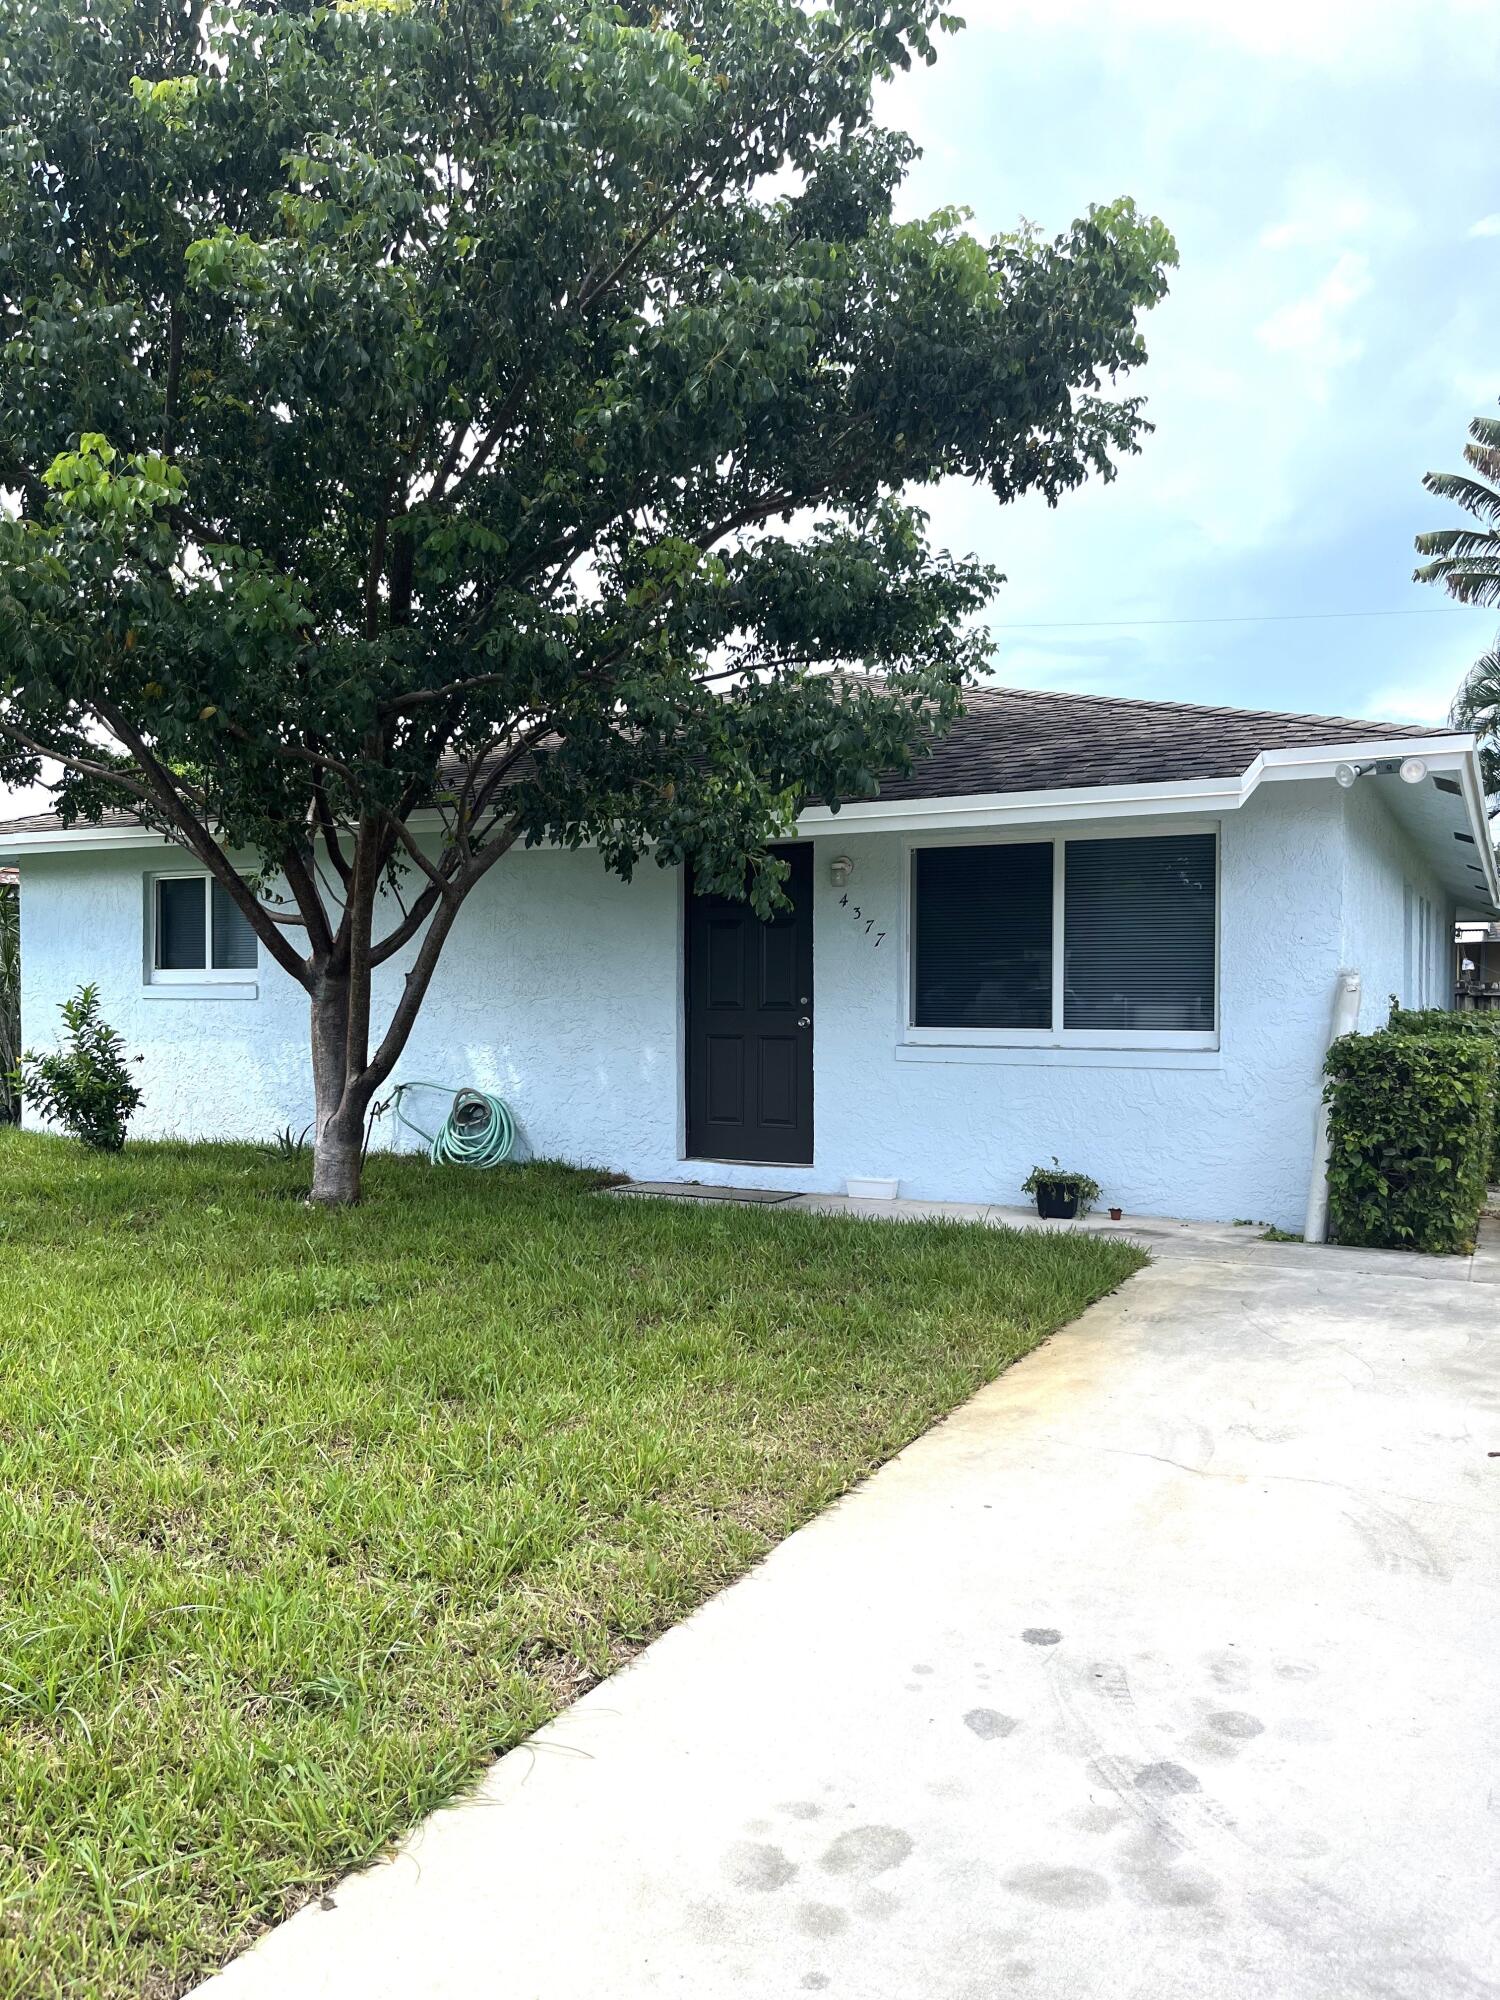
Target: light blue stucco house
[(1106, 930)]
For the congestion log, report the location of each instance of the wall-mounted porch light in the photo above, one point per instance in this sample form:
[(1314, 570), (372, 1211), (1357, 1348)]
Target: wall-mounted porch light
[(839, 871), (1347, 775)]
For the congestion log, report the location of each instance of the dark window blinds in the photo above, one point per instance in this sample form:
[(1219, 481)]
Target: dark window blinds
[(983, 936), (1139, 926)]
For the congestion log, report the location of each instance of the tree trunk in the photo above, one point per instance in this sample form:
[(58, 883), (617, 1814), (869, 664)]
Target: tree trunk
[(338, 1158), (339, 1114)]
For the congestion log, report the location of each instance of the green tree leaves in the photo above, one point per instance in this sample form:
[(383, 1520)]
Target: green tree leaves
[(393, 391)]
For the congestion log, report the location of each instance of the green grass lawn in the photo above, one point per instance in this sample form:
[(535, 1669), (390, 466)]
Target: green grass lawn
[(305, 1516)]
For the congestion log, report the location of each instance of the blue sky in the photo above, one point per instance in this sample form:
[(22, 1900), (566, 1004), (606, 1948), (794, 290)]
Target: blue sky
[(1331, 175)]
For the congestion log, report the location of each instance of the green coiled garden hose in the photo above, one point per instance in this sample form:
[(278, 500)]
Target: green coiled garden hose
[(478, 1131)]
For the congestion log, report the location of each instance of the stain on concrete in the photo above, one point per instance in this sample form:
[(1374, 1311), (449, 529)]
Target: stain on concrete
[(1111, 1681), (1042, 1635), (1206, 1748), (879, 1905), (866, 1851), (814, 1982), (1298, 1670), (1165, 1781), (802, 1809), (988, 1724), (822, 1920), (920, 1669), (1236, 1723), (1153, 1870), (1059, 1888), (1302, 1844), (947, 1788), (1168, 1886), (1098, 1819), (1393, 1543), (1228, 1669), (1019, 1969), (753, 1864)]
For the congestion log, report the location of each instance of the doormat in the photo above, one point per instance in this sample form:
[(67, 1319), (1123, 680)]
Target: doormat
[(701, 1191)]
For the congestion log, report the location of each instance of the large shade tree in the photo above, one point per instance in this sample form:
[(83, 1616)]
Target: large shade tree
[(429, 426)]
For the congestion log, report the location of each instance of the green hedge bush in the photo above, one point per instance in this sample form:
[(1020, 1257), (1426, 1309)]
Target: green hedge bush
[(1411, 1123), (1438, 1021)]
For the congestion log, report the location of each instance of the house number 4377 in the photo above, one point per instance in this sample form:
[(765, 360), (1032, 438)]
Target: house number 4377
[(861, 918)]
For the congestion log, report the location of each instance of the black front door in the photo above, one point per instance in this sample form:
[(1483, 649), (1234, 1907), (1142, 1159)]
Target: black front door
[(749, 1026)]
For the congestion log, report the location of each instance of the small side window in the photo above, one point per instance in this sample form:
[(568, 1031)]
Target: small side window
[(233, 939), (197, 930), (180, 936)]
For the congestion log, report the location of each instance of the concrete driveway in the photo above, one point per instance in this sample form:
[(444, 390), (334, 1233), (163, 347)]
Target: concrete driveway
[(1168, 1666)]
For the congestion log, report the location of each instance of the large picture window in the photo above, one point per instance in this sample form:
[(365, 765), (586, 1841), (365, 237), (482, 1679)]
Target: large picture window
[(1079, 940), (197, 930)]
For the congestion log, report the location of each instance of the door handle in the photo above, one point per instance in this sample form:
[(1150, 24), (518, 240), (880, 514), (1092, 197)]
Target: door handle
[(804, 1020)]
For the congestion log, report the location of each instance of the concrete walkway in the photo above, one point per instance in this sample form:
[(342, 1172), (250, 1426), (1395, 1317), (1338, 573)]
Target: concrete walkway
[(1164, 1668), (1163, 1236)]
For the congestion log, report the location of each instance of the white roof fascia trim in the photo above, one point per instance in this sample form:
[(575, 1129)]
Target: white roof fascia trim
[(1188, 795), (86, 840), (1311, 760), (974, 809)]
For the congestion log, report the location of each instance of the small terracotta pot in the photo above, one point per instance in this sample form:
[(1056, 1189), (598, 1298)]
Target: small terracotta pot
[(1115, 1214)]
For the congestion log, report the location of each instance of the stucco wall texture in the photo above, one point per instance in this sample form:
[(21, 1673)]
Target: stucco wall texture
[(561, 990)]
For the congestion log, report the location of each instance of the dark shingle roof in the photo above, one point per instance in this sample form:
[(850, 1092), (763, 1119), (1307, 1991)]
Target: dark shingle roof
[(1031, 740)]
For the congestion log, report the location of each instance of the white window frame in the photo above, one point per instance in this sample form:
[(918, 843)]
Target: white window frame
[(1057, 1036), (191, 975)]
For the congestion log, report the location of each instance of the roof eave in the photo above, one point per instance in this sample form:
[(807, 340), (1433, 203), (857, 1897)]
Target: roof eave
[(1452, 755), (1455, 754)]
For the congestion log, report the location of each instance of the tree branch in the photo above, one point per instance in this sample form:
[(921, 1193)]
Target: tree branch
[(198, 839), (419, 978)]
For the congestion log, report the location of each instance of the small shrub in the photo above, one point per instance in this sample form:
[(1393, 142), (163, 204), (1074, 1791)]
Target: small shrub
[(85, 1086), (1062, 1181), (1411, 1120), (1440, 1021)]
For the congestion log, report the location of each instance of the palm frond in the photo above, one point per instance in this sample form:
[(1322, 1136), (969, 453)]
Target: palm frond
[(1485, 459), (1477, 703), (1471, 494), (1473, 544), (1485, 430), (1468, 582)]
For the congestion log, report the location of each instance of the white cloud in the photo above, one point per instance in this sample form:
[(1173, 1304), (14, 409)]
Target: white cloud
[(1487, 225), (1309, 324), (1324, 212), (1425, 701), (1326, 340)]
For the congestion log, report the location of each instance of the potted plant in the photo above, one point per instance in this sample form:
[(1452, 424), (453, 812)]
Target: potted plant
[(1060, 1195)]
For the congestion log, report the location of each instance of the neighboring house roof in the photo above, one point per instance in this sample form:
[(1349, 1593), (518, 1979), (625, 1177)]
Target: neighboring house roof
[(1025, 752)]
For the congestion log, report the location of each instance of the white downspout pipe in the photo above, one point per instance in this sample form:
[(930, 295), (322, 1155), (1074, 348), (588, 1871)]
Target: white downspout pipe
[(1345, 1021)]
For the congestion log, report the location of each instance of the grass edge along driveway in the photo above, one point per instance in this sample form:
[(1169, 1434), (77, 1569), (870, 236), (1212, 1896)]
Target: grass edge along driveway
[(306, 1517)]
